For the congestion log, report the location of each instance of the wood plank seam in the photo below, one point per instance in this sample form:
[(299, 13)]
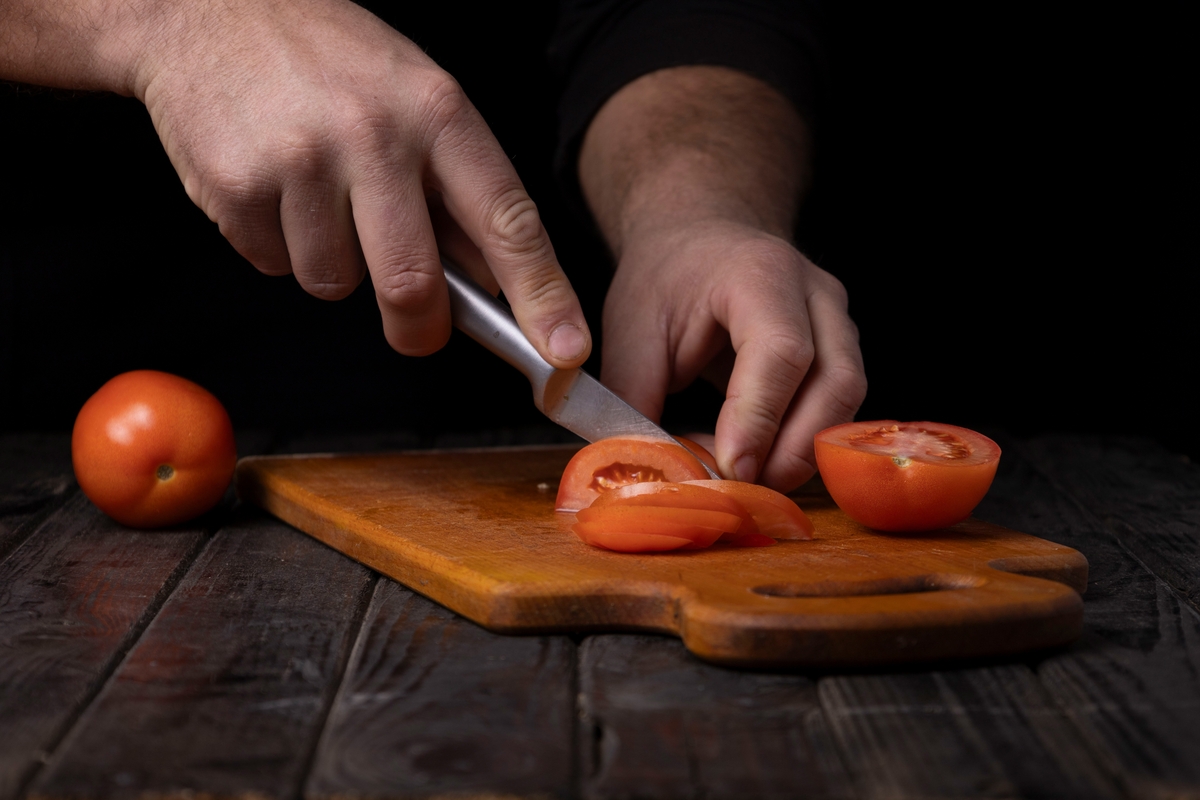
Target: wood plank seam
[(1114, 771), (577, 743), (355, 635), (1103, 524), (119, 655), (29, 526)]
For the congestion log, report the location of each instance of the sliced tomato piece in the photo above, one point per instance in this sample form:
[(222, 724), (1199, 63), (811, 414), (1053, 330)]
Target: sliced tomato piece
[(626, 542), (906, 476), (700, 452), (611, 463), (678, 495), (684, 496), (777, 515), (652, 519)]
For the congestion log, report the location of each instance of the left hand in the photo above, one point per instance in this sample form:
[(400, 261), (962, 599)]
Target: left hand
[(745, 309)]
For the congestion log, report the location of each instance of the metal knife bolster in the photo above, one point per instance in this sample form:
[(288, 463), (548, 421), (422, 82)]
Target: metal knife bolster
[(569, 397)]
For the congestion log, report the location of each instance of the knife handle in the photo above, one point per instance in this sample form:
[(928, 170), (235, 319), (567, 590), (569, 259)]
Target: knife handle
[(488, 321)]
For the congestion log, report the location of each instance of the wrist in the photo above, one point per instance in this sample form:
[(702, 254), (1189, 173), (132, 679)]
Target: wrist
[(92, 45), (692, 144)]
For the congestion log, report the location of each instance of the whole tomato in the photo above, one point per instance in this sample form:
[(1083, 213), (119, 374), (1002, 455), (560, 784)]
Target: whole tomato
[(152, 449)]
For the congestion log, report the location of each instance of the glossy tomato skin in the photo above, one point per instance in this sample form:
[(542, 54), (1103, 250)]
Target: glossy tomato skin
[(776, 515), (906, 476), (152, 449), (609, 463)]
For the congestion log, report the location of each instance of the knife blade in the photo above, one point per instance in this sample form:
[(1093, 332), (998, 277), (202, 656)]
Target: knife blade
[(569, 397)]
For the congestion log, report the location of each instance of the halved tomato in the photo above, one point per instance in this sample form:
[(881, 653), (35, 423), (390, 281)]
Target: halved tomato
[(777, 515), (906, 476), (611, 463)]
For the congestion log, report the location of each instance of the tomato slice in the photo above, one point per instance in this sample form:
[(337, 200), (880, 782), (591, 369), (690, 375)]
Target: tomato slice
[(612, 463), (655, 518), (680, 496), (777, 515), (679, 501), (700, 452), (906, 476), (626, 542)]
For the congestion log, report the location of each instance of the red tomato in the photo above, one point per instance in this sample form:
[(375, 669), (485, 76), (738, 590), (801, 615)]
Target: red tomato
[(152, 449), (625, 542), (700, 452), (689, 495), (777, 515), (906, 476), (610, 463), (696, 528)]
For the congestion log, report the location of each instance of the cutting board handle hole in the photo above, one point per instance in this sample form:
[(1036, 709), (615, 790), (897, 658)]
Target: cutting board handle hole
[(911, 584)]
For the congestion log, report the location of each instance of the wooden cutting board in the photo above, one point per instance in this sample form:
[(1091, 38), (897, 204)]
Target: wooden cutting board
[(477, 532)]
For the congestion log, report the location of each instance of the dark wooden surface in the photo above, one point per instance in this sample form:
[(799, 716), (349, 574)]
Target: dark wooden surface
[(238, 657)]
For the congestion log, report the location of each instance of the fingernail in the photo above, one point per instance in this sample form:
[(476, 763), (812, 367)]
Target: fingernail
[(745, 469), (567, 342)]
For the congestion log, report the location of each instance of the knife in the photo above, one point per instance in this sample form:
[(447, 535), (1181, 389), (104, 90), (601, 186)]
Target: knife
[(569, 397)]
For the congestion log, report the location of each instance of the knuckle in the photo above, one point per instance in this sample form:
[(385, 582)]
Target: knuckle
[(835, 289), (334, 288), (515, 225), (846, 386), (407, 286), (443, 100), (788, 346)]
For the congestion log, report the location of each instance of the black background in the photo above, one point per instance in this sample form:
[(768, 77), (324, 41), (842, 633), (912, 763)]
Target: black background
[(1009, 201)]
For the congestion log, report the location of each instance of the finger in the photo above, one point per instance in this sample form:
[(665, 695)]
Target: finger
[(769, 328), (247, 214), (831, 393), (398, 243), (318, 225), (484, 195), (455, 245), (635, 358)]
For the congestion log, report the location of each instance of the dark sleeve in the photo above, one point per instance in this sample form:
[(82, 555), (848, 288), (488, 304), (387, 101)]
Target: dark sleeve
[(601, 45)]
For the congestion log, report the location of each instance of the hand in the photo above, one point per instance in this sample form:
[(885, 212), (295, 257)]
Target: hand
[(694, 175), (324, 144), (687, 298)]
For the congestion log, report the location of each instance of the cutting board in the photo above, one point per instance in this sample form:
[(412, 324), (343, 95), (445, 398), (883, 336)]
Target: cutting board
[(476, 531)]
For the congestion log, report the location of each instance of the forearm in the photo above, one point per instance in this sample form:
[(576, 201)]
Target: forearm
[(693, 143), (74, 44)]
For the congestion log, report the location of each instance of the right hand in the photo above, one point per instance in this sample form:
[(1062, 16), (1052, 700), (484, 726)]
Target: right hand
[(324, 143)]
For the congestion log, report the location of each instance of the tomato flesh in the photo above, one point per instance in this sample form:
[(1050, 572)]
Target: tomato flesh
[(611, 463), (906, 476)]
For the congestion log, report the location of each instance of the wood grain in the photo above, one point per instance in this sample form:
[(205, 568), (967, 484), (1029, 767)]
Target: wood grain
[(1147, 498), (1132, 682), (73, 598), (35, 477), (227, 690), (472, 530), (434, 704), (657, 723), (991, 732)]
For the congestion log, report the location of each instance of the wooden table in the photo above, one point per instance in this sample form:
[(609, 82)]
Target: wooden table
[(238, 657)]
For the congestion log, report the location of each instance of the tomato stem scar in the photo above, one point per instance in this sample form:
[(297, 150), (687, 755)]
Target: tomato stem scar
[(164, 472)]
